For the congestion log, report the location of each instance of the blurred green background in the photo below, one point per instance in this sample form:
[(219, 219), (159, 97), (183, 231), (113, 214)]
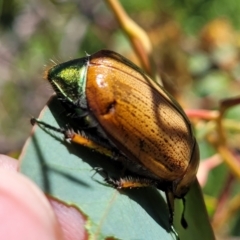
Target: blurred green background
[(33, 34), (196, 46)]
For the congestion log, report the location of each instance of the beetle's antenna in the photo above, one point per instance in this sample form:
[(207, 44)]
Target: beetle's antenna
[(183, 220)]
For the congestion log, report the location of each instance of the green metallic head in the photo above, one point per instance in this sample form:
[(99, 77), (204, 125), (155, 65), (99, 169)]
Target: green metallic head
[(68, 79)]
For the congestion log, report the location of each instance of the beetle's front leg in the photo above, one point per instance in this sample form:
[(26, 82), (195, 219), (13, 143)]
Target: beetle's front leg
[(86, 142), (77, 138)]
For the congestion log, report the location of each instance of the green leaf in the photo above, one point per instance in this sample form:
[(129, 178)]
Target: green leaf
[(199, 226), (65, 171)]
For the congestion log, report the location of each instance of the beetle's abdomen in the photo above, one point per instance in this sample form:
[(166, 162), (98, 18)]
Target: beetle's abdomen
[(138, 117)]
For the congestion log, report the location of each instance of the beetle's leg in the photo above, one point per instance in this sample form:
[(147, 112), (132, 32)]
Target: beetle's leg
[(170, 203), (33, 121), (86, 142), (129, 182), (77, 138)]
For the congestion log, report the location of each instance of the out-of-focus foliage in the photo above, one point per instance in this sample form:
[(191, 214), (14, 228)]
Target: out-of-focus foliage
[(35, 33), (196, 47)]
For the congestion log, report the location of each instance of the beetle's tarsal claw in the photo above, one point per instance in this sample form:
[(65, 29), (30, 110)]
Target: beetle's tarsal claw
[(110, 181), (105, 175), (99, 170), (33, 121)]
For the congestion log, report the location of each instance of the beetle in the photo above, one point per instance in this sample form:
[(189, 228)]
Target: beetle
[(127, 116)]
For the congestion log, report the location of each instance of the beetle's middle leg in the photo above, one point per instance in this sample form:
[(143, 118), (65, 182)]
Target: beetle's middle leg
[(127, 181)]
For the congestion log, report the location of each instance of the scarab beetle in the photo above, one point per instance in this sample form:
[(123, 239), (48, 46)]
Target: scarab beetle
[(132, 116)]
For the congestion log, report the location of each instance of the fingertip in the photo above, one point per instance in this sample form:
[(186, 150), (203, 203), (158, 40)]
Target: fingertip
[(27, 212), (8, 163)]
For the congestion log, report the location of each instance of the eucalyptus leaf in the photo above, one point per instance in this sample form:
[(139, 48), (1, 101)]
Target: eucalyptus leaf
[(66, 172)]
